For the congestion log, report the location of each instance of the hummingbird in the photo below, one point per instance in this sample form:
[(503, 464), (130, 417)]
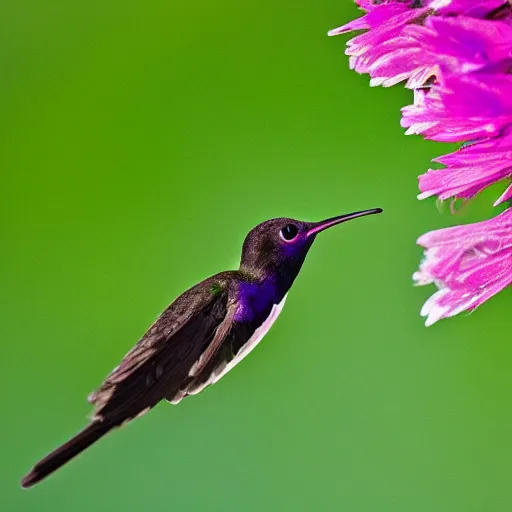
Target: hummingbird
[(202, 335)]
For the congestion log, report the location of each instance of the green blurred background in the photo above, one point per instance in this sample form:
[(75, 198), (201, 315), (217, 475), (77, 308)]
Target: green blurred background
[(139, 143)]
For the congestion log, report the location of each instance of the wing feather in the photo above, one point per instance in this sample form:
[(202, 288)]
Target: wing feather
[(220, 335), (159, 365)]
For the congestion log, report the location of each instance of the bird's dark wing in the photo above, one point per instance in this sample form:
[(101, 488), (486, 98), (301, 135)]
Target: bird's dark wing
[(189, 333), (186, 336)]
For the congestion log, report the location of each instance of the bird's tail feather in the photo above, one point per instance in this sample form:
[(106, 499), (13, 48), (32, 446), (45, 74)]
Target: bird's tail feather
[(66, 452)]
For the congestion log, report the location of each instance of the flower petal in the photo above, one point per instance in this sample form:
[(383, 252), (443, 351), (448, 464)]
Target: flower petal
[(506, 196), (469, 264), (464, 107), (470, 169), (364, 49), (378, 15), (475, 8)]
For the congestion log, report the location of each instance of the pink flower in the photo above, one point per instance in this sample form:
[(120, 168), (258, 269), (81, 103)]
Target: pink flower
[(456, 55), (469, 264)]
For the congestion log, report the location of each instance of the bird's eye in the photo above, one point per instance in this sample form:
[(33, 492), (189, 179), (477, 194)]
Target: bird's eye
[(289, 232)]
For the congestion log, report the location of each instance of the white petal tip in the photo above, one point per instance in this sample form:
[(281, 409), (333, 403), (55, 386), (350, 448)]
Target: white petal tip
[(500, 200), (377, 81), (432, 310), (435, 314), (421, 278)]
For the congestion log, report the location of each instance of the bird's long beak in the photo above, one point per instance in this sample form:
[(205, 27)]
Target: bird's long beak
[(320, 226)]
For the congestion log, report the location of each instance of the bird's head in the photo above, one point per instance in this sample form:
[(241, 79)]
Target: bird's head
[(279, 246)]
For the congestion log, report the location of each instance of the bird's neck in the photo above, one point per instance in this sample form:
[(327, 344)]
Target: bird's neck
[(257, 296), (271, 283)]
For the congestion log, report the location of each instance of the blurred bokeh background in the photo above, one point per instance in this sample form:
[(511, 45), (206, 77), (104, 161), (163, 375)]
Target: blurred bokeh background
[(139, 142)]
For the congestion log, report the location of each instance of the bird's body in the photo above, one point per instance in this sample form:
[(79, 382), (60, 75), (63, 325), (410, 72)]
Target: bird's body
[(202, 335), (191, 345)]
